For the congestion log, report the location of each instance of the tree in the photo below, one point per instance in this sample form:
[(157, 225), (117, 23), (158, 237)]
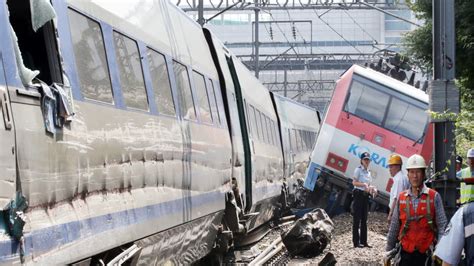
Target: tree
[(418, 46)]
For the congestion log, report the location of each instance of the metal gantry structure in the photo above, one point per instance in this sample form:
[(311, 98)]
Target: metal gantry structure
[(220, 5), (290, 59), (444, 96)]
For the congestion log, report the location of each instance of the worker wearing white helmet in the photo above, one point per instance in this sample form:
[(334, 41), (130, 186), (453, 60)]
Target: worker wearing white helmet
[(418, 219), (467, 191)]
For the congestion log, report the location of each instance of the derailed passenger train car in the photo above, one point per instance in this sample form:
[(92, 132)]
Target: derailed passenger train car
[(299, 131), (127, 135), (145, 151)]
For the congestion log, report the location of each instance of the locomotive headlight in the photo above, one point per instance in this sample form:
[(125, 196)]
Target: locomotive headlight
[(378, 139), (337, 162)]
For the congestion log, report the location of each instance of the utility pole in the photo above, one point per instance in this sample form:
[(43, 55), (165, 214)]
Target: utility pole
[(201, 20), (257, 41), (444, 97)]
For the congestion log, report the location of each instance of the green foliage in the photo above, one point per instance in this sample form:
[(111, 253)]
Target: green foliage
[(418, 46), (464, 132)]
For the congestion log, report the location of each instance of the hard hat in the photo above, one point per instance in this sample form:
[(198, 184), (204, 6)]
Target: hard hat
[(395, 159), (458, 159), (416, 161), (470, 153), (365, 155)]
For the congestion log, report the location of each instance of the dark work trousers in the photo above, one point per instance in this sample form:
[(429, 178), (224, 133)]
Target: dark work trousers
[(415, 258), (361, 208)]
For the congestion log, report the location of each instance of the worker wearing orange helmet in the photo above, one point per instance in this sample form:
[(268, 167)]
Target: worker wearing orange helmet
[(418, 219), (400, 181)]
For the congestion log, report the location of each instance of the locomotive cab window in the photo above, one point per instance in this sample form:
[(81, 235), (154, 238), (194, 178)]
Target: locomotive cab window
[(387, 108), (37, 45)]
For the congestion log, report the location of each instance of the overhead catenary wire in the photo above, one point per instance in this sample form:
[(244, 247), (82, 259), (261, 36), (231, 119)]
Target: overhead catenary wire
[(283, 33), (335, 31), (296, 28), (358, 25)]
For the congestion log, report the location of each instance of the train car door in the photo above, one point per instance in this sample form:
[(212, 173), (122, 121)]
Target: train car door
[(244, 134), (7, 144)]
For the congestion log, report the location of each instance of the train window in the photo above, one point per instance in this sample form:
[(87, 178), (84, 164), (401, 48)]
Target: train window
[(254, 122), (264, 128), (402, 116), (366, 102), (249, 128), (184, 91), (308, 140), (39, 50), (269, 132), (272, 129), (258, 124), (277, 138), (91, 62), (161, 83), (213, 101), (202, 98), (383, 106), (303, 139), (130, 70), (294, 146), (298, 139)]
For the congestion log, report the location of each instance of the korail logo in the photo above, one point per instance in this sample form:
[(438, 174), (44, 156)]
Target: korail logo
[(376, 158)]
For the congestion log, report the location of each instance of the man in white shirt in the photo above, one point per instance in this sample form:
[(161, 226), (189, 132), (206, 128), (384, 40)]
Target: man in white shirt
[(400, 181)]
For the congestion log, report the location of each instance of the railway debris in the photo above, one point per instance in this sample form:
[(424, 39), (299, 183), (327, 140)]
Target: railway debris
[(341, 244), (271, 250), (310, 235)]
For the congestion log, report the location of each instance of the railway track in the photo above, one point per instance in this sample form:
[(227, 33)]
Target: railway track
[(274, 251)]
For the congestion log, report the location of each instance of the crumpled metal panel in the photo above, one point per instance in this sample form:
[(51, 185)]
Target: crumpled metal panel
[(126, 170), (72, 231), (182, 245)]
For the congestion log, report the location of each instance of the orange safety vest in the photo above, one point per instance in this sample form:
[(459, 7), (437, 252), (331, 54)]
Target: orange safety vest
[(417, 231)]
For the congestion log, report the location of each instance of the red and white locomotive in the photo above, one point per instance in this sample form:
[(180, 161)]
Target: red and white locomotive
[(369, 112)]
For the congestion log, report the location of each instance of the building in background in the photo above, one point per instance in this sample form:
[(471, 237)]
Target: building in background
[(303, 51)]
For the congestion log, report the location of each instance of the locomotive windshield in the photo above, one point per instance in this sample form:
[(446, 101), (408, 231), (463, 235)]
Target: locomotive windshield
[(387, 108)]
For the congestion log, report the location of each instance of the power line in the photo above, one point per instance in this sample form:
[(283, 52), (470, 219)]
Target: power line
[(358, 25), (283, 33), (335, 31)]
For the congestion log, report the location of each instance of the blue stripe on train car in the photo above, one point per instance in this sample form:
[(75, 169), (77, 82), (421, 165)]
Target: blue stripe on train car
[(44, 240), (312, 175)]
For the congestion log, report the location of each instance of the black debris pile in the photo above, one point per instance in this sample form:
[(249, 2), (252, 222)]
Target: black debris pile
[(310, 235)]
